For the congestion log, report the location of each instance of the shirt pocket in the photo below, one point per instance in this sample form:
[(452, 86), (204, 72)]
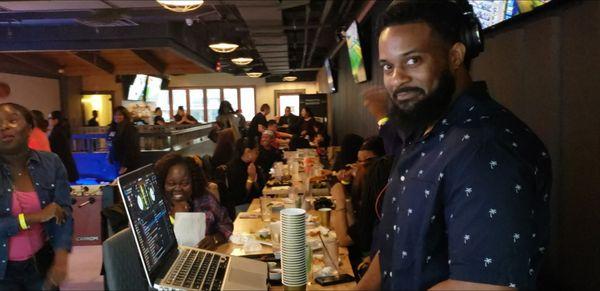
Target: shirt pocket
[(46, 192)]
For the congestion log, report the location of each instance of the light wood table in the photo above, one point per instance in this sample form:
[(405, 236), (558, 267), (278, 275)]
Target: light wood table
[(251, 225)]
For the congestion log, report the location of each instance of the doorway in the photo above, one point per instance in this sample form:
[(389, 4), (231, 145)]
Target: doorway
[(102, 103), (284, 98)]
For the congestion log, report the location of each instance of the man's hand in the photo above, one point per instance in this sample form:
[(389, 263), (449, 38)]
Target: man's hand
[(252, 172), (376, 101)]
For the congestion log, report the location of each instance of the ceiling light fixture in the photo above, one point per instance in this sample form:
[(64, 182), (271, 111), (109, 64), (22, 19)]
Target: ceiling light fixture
[(181, 5), (223, 47), (290, 78), (242, 61), (254, 74)]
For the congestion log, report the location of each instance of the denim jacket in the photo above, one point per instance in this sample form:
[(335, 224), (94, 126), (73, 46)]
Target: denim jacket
[(51, 185)]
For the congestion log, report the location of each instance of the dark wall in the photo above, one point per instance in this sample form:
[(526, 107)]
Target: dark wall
[(546, 69)]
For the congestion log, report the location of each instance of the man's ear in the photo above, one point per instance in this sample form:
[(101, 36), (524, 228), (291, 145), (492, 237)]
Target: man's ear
[(456, 55)]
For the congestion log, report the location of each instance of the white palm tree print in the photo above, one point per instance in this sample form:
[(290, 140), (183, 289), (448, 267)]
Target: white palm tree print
[(427, 259), (441, 136), (518, 188), (468, 191), (427, 192), (493, 164), (512, 285), (492, 212), (466, 238), (404, 254), (409, 212), (516, 236), (487, 261), (465, 137)]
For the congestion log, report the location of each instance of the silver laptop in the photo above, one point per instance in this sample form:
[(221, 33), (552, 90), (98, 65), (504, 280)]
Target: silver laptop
[(168, 266)]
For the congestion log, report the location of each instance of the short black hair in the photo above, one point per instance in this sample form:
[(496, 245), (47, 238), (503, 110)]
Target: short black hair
[(445, 17), (265, 107), (24, 111), (375, 145), (197, 175), (271, 122)]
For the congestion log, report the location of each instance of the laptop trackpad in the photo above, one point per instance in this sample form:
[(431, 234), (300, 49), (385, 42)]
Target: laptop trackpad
[(246, 275)]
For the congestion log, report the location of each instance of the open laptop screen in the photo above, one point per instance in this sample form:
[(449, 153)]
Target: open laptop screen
[(148, 215)]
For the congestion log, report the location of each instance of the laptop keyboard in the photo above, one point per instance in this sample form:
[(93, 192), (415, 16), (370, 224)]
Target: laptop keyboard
[(195, 269)]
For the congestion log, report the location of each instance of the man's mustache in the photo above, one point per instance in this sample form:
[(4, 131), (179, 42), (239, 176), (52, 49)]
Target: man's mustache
[(416, 90)]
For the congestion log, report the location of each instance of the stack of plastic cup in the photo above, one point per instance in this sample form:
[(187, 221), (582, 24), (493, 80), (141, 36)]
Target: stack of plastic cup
[(293, 241)]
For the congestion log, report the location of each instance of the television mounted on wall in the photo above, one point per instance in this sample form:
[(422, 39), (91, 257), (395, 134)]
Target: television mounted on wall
[(357, 62), (330, 78), (492, 13)]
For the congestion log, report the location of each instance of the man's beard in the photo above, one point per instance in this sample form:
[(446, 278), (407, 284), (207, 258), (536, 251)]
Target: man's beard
[(420, 114)]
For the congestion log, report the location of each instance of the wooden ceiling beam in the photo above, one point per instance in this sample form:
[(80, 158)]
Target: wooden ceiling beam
[(95, 59), (151, 59), (13, 66), (38, 62)]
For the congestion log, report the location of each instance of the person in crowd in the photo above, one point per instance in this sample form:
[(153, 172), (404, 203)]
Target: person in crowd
[(37, 226), (158, 119), (183, 118), (467, 205), (187, 189), (125, 141), (354, 223), (259, 122), (288, 122), (267, 154), (307, 122), (243, 128), (227, 118), (319, 138), (4, 90), (241, 179), (224, 149), (281, 138), (60, 143), (38, 140), (349, 148), (93, 121)]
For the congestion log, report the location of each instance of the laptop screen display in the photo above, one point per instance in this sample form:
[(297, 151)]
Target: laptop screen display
[(148, 215)]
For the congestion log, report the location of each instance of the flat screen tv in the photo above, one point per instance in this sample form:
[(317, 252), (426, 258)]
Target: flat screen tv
[(491, 13), (330, 79), (357, 62), (153, 88), (137, 89)]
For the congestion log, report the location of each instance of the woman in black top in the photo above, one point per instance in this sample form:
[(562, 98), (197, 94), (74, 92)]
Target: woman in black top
[(158, 119), (241, 179), (348, 151), (227, 118), (125, 141), (60, 143), (183, 118), (307, 122)]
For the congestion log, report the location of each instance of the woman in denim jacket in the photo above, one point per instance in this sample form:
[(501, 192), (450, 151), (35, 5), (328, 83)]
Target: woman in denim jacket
[(35, 213)]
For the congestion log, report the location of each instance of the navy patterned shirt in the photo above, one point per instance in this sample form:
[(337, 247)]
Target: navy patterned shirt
[(468, 201)]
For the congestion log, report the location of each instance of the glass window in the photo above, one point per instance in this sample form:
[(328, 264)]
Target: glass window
[(292, 100), (197, 104), (163, 102), (231, 95), (179, 99), (247, 99), (213, 100)]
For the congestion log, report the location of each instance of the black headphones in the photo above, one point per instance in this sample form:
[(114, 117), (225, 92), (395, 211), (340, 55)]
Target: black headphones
[(470, 31), (470, 28)]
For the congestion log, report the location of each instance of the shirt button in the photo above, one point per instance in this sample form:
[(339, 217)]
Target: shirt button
[(51, 185), (402, 178), (3, 245), (7, 209), (9, 190), (3, 261), (37, 184)]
